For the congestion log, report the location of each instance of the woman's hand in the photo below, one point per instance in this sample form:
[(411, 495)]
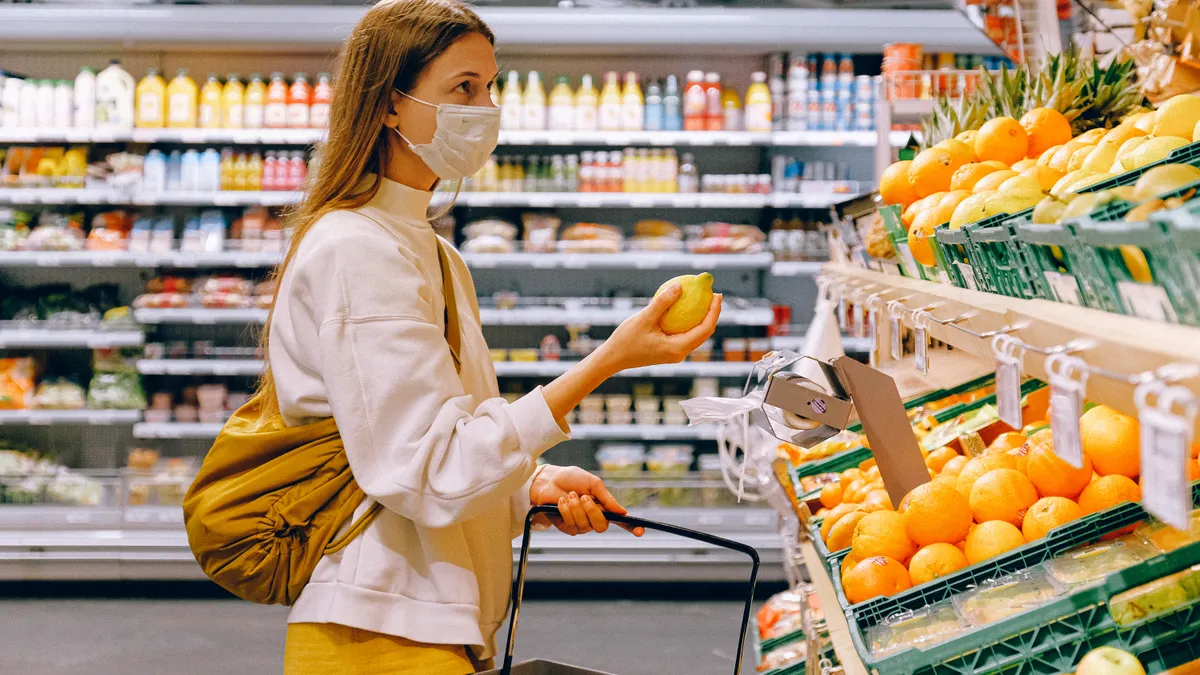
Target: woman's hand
[(640, 341), (581, 499)]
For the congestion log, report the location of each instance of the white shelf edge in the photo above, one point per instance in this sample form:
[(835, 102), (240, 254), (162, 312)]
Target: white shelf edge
[(89, 339), (176, 430), (216, 367), (48, 417), (661, 432), (795, 268)]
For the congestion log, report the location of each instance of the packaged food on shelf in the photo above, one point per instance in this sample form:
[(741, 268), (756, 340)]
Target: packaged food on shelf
[(59, 393), (17, 383), (155, 482), (591, 238), (29, 477), (489, 236), (921, 628), (116, 391), (671, 462), (726, 238), (1004, 596), (541, 232), (703, 352), (1161, 596), (656, 235), (1092, 563), (622, 462), (1166, 538)]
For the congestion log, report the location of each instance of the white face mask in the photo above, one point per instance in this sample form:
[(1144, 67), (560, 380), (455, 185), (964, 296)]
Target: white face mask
[(465, 138)]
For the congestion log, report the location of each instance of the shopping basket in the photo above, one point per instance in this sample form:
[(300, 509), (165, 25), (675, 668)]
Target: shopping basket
[(543, 667)]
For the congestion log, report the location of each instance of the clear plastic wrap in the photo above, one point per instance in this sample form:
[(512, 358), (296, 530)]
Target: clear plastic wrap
[(920, 628), (1004, 596)]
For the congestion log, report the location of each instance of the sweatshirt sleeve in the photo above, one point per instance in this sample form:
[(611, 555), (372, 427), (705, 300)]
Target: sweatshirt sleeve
[(415, 441)]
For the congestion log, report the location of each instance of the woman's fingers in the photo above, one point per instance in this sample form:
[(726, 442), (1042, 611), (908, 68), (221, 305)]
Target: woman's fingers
[(604, 497), (568, 520), (595, 516), (663, 301), (575, 515)]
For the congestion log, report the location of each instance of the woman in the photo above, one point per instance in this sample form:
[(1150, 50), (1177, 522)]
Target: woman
[(360, 331)]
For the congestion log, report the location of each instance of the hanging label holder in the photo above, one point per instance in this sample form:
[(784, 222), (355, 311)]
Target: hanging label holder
[(1010, 354), (1066, 405), (895, 329), (874, 303), (1166, 440), (921, 341)]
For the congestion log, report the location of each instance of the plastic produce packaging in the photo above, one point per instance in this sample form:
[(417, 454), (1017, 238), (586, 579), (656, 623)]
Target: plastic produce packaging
[(1004, 596), (1166, 538), (590, 238), (622, 461), (59, 394), (541, 232), (671, 462), (920, 628), (116, 391), (489, 236), (1092, 563), (16, 383), (1161, 596)]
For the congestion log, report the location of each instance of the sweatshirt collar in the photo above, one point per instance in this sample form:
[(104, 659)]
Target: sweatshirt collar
[(401, 203)]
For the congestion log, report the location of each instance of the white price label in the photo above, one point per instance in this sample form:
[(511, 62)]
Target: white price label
[(873, 336), (897, 343), (702, 139), (910, 263), (922, 348), (841, 314), (1065, 409), (1166, 441), (857, 328), (1008, 391), (1149, 301), (541, 202), (968, 275), (1064, 287)]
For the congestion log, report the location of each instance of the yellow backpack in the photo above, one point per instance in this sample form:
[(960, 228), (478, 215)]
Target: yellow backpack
[(270, 500)]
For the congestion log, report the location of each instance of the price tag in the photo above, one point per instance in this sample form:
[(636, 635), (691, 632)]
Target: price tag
[(543, 262), (744, 139), (539, 202), (910, 263), (590, 202), (48, 260), (194, 136), (654, 435), (873, 336), (857, 323), (1064, 287), (841, 314), (641, 202), (921, 339), (1166, 443), (968, 274), (1008, 381), (653, 263), (973, 444), (897, 343), (1149, 301), (574, 262), (618, 139), (1066, 405)]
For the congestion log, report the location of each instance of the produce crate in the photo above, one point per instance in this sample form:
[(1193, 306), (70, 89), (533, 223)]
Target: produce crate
[(1048, 251), (1045, 641), (898, 235), (768, 645), (1179, 272), (1188, 154), (992, 249), (952, 247)]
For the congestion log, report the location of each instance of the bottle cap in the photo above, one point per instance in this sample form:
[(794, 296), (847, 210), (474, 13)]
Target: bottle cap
[(758, 76), (231, 77), (695, 75), (182, 72)]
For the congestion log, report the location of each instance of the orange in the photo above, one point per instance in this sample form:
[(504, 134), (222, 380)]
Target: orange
[(854, 492), (1195, 450), (1005, 442), (933, 561), (873, 577), (969, 174), (1037, 406), (938, 458), (1002, 139), (866, 464), (990, 539), (882, 533), (979, 466), (993, 180), (1046, 128), (951, 481), (831, 495), (954, 466), (912, 211), (1193, 470), (842, 533), (1021, 455), (1002, 494), (848, 564), (961, 150), (920, 242), (1109, 491), (1051, 474), (872, 473), (936, 513), (1048, 513), (894, 187), (832, 517), (848, 477), (931, 170), (879, 497), (1112, 440)]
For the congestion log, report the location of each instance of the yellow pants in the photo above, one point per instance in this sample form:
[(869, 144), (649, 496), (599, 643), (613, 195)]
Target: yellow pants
[(330, 649)]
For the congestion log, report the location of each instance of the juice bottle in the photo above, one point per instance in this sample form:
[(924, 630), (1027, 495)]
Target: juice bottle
[(227, 169), (533, 104), (510, 102), (731, 110), (150, 100), (587, 101), (233, 103), (672, 106), (239, 171), (182, 95), (562, 105), (297, 170), (255, 102), (299, 101), (270, 166), (210, 103), (318, 115), (758, 103), (695, 103), (254, 172), (633, 106), (629, 172), (610, 103), (275, 108), (714, 118), (85, 99), (654, 118)]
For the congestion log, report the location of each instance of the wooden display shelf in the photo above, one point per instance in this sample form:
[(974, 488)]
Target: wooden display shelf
[(835, 619), (1118, 344)]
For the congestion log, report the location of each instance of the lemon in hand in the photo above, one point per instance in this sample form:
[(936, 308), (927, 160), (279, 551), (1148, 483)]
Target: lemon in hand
[(691, 307)]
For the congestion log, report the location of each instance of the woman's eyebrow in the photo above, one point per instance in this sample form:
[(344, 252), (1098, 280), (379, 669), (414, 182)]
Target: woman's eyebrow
[(465, 73)]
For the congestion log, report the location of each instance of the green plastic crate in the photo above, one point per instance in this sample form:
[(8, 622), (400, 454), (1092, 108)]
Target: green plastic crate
[(770, 644), (1110, 280), (992, 249), (952, 246), (1179, 272), (1049, 251), (898, 235), (1188, 154)]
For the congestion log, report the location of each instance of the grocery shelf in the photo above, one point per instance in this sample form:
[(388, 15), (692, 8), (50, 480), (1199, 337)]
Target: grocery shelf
[(835, 619), (298, 137), (524, 29), (1121, 345), (175, 430), (604, 316), (252, 367), (89, 417), (782, 268), (34, 338), (647, 260), (645, 432), (583, 200), (684, 369), (200, 315)]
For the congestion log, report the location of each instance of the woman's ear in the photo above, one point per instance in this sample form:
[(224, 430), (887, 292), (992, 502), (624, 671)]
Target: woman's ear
[(393, 116)]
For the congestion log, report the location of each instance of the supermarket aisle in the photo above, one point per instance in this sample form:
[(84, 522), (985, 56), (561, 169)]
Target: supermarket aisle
[(203, 637)]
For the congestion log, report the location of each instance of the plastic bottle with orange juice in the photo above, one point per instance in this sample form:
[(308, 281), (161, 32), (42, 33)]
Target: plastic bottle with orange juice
[(275, 107), (633, 104), (610, 103), (758, 103), (233, 103), (255, 102), (150, 98), (209, 116), (182, 95)]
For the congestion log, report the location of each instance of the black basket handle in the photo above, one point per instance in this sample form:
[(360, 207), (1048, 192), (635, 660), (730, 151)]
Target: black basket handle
[(631, 521)]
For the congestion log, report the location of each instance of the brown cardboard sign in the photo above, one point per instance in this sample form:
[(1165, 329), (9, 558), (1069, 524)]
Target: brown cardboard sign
[(886, 424)]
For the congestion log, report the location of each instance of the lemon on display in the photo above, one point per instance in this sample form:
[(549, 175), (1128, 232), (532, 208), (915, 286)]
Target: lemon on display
[(1100, 158), (1126, 150), (1153, 150), (1163, 179), (692, 306), (971, 209), (1048, 211), (1135, 261), (1119, 134), (1177, 117)]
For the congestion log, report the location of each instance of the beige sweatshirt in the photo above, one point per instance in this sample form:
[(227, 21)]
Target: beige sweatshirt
[(357, 334)]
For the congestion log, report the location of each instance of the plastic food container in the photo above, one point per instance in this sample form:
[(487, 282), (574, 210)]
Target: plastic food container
[(623, 462), (715, 494), (673, 403), (924, 627), (703, 352), (618, 402), (1005, 596), (648, 417), (1156, 598), (620, 417), (734, 349), (592, 404), (591, 417), (675, 418), (156, 416), (758, 348), (523, 355), (645, 404), (1166, 538), (498, 354), (1091, 564), (705, 386), (186, 413), (671, 462)]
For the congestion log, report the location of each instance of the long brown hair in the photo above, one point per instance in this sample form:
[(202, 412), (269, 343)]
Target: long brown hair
[(388, 50)]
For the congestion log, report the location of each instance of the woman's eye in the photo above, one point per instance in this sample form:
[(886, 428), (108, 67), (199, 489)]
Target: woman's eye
[(465, 88)]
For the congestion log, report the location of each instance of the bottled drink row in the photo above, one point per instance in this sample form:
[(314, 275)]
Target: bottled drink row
[(209, 170), (110, 100)]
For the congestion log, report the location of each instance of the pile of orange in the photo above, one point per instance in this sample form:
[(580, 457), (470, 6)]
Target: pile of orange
[(976, 508)]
